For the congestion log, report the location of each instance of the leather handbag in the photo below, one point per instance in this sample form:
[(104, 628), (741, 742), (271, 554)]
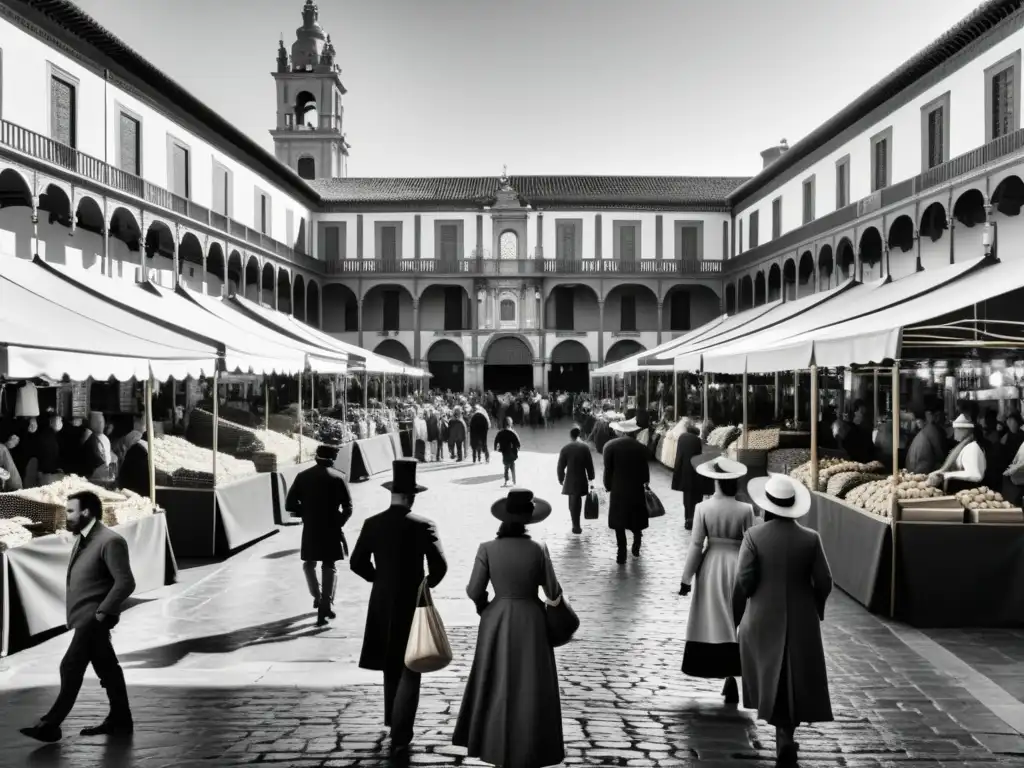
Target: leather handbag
[(562, 621), (654, 506), (428, 649), (592, 505)]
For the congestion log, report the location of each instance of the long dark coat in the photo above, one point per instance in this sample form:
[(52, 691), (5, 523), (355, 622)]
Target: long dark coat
[(684, 474), (782, 583), (319, 496), (389, 554), (478, 426), (575, 468), (511, 714), (433, 428), (626, 470)]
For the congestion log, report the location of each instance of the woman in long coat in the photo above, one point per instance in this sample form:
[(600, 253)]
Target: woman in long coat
[(711, 648), (511, 713), (782, 583)]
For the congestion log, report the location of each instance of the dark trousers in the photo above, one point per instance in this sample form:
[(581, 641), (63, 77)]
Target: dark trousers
[(620, 538), (510, 466), (439, 452), (421, 450), (91, 645), (322, 592), (401, 700), (690, 501), (575, 509), (454, 446), (480, 450)]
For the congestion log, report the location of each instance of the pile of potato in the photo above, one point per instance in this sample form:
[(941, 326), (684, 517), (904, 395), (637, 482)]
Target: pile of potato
[(757, 440), (803, 472), (983, 498), (876, 497), (844, 483), (915, 487)]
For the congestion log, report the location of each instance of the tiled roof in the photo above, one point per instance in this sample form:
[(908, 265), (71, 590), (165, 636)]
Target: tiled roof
[(969, 29), (535, 190)]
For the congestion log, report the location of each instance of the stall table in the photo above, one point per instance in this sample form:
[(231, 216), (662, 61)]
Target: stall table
[(283, 479), (33, 577), (214, 522), (368, 457)]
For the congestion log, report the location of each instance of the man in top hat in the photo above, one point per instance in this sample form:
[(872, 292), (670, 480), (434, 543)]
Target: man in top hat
[(782, 583), (626, 472), (319, 496), (389, 554)]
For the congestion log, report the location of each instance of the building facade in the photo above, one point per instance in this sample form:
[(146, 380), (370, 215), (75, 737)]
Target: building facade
[(107, 164)]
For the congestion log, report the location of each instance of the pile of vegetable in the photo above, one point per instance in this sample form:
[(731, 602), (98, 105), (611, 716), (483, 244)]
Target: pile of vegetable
[(841, 484), (983, 498), (781, 460), (119, 506), (757, 440), (723, 437), (876, 497), (13, 533), (829, 468)]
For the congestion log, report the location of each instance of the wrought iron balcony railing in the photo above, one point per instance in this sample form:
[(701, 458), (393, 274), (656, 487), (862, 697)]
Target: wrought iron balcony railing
[(45, 149), (481, 266)]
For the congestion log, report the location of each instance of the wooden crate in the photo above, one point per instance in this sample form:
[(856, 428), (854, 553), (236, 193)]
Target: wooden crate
[(1000, 516)]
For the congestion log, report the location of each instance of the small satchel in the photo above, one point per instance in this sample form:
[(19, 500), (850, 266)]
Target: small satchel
[(654, 506), (562, 621), (592, 506), (428, 649)]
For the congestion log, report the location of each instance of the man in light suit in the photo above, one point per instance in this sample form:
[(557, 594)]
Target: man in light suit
[(99, 581), (575, 473)]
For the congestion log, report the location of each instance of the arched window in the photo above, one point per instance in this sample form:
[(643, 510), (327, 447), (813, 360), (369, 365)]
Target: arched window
[(508, 311), (508, 245), (305, 111), (307, 168)]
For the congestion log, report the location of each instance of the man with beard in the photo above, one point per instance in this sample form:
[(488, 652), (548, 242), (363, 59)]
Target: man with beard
[(99, 581)]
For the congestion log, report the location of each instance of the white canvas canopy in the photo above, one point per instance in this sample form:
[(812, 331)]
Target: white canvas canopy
[(790, 346), (241, 351), (49, 327)]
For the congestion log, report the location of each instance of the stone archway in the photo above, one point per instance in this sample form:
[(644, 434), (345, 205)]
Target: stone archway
[(620, 350), (570, 368), (508, 365), (395, 350), (447, 366)]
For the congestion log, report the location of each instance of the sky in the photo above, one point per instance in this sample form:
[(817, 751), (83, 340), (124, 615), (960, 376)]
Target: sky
[(463, 87)]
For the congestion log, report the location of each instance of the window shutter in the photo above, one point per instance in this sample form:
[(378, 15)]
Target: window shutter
[(449, 242), (627, 244), (129, 137), (688, 244), (388, 244), (332, 244), (62, 111), (776, 219), (180, 165), (567, 244), (881, 154)]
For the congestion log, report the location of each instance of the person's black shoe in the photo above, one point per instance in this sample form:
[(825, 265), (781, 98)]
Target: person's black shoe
[(44, 732), (636, 549), (787, 755), (108, 728), (621, 557), (688, 525), (731, 691), (321, 620), (330, 614)]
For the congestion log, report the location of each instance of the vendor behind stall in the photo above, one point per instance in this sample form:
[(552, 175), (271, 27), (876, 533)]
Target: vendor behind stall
[(855, 437), (928, 448), (965, 466)]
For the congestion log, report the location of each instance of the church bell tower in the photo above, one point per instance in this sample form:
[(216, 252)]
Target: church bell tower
[(309, 136)]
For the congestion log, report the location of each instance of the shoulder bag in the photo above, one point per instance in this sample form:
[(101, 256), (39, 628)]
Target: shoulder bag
[(428, 649), (561, 619), (592, 506), (654, 506)]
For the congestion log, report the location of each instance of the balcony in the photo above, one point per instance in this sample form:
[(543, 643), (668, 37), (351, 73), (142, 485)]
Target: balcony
[(484, 267), (70, 160)]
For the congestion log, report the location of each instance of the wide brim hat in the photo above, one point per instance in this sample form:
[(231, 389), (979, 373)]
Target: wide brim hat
[(521, 506), (625, 427), (720, 468), (962, 422), (403, 473), (780, 495)]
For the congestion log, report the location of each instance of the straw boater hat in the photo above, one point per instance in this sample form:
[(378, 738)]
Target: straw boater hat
[(780, 495), (520, 506), (625, 427), (962, 422), (403, 472), (720, 468)]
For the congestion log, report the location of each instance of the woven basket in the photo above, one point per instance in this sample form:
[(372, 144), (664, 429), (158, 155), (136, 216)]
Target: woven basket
[(231, 439), (50, 516), (265, 461)]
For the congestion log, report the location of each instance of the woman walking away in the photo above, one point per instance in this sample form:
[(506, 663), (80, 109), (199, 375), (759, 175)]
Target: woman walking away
[(506, 442), (511, 714), (784, 581), (711, 648)]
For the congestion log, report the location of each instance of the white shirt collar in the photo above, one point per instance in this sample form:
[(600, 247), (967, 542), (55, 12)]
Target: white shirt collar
[(87, 529)]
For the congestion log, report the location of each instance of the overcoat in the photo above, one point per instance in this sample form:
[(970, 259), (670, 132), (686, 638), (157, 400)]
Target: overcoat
[(782, 583), (319, 496), (626, 471), (389, 554), (575, 468), (433, 428), (684, 474), (511, 713), (99, 577), (478, 426)]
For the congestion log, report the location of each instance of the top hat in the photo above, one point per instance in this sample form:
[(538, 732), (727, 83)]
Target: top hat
[(520, 506), (780, 495), (403, 473), (720, 468), (327, 453), (625, 427)]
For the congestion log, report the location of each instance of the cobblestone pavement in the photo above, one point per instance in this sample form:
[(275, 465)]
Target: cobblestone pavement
[(227, 668)]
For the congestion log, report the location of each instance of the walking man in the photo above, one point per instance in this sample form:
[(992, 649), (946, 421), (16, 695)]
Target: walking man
[(478, 426), (575, 473), (319, 496), (99, 581), (506, 442), (685, 477), (389, 554), (626, 472)]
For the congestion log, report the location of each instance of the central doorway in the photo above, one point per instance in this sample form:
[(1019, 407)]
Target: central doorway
[(508, 365), (447, 366), (570, 368)]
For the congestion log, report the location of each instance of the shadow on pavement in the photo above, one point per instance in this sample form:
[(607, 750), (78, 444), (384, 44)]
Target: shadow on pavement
[(282, 553)]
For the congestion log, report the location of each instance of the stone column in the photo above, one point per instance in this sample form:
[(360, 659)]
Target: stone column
[(600, 335), (951, 230), (359, 320), (661, 324), (416, 332)]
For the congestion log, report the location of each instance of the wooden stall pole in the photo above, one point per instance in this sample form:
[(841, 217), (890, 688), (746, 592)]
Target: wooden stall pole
[(675, 393), (149, 440), (875, 399), (746, 422), (366, 388), (895, 508), (814, 426), (312, 391), (778, 401), (300, 417), (266, 403), (334, 391), (796, 397), (707, 414), (216, 434)]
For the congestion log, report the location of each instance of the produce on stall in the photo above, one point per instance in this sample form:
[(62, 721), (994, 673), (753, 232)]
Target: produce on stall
[(829, 467), (723, 437), (876, 497), (189, 466), (982, 498), (13, 533)]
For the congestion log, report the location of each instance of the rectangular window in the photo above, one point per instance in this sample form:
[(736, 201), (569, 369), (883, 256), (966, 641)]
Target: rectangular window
[(389, 243), (449, 244), (332, 243), (63, 111), (808, 192), (180, 181), (881, 160), (389, 308), (1002, 96), (754, 222), (565, 248), (725, 240), (222, 189), (776, 218), (627, 313), (627, 244), (453, 309), (565, 310), (935, 132), (740, 250), (264, 214), (843, 182), (689, 243), (679, 311), (129, 145)]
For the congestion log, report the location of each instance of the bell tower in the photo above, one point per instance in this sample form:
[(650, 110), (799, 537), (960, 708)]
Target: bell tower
[(309, 136)]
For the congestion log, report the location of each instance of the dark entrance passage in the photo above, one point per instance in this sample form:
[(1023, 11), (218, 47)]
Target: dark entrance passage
[(570, 368), (446, 364), (508, 365)]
